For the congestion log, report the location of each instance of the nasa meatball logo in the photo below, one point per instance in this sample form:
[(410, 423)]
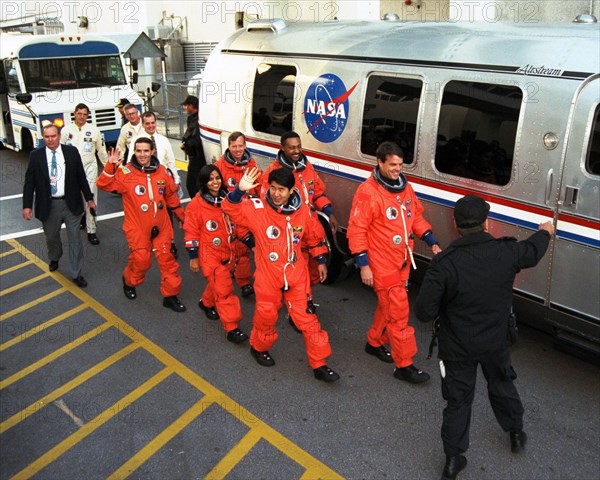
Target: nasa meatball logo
[(326, 107)]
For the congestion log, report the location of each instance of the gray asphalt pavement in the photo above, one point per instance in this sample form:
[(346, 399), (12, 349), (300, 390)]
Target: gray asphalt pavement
[(93, 385)]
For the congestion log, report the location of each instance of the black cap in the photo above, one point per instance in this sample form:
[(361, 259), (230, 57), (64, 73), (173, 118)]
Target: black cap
[(191, 100), (122, 102), (470, 211)]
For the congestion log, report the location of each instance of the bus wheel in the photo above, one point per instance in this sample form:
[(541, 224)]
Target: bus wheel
[(336, 258), (26, 140)]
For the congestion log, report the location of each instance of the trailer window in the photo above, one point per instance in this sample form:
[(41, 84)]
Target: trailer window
[(592, 162), (477, 131), (390, 114), (273, 98)]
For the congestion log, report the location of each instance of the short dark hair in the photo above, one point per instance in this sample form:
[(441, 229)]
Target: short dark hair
[(234, 136), (204, 176), (144, 140), (81, 106), (283, 177), (388, 148), (148, 114), (288, 135)]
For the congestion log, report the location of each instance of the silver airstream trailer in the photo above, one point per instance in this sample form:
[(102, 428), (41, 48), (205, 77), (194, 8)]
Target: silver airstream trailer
[(507, 111)]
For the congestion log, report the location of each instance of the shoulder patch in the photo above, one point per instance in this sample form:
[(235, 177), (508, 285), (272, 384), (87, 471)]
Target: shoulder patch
[(257, 202), (124, 169)]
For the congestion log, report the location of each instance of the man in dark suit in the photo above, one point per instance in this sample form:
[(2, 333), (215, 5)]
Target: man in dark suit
[(55, 174)]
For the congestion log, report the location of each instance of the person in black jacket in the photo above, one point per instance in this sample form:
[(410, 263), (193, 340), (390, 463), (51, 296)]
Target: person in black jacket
[(55, 176), (469, 287), (192, 145)]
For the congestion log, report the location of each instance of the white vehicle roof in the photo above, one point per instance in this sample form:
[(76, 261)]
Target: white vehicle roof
[(11, 44), (566, 47)]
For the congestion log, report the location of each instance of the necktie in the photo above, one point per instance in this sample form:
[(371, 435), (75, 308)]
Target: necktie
[(53, 174), (153, 144)]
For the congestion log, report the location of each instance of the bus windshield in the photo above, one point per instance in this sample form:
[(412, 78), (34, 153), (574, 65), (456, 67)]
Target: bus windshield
[(72, 73)]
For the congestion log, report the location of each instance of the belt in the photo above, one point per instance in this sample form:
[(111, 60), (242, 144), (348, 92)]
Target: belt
[(58, 198)]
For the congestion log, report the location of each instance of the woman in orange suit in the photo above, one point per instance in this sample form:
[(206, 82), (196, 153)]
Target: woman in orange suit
[(209, 235)]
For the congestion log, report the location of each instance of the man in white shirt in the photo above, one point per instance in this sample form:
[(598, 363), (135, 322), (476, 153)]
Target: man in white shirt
[(89, 141), (162, 147), (130, 130)]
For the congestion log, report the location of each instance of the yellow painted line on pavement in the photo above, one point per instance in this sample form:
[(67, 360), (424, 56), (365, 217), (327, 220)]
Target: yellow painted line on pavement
[(181, 165), (8, 252), (160, 440), (54, 355), (39, 328), (33, 303), (19, 286), (15, 267), (95, 423), (67, 387), (235, 455), (283, 444)]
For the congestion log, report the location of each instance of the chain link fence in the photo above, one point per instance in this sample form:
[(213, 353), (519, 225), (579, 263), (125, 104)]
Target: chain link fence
[(166, 101)]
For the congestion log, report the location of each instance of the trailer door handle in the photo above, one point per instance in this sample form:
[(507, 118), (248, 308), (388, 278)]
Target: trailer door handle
[(571, 196), (549, 179)]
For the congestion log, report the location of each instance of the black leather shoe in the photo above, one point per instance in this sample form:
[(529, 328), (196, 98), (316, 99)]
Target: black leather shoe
[(93, 239), (326, 374), (411, 374), (247, 290), (263, 358), (210, 312), (129, 292), (291, 322), (236, 336), (80, 282), (453, 466), (517, 441), (173, 250), (53, 266), (174, 304), (381, 353)]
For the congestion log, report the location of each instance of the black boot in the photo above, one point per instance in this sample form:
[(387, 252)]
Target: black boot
[(453, 465), (517, 441)]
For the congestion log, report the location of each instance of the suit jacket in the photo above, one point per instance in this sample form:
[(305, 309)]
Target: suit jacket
[(37, 180)]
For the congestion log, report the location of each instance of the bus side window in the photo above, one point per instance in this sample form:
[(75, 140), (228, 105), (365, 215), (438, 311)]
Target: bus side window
[(273, 98), (592, 161), (390, 114), (477, 131), (12, 77)]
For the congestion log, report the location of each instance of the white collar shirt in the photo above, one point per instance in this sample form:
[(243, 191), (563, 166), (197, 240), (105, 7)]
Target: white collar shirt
[(59, 179)]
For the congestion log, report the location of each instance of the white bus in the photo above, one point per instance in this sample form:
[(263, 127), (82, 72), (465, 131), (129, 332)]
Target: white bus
[(509, 112), (43, 77)]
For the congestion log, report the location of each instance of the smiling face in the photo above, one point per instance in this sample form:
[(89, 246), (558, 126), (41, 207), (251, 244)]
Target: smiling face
[(279, 194), (149, 124), (292, 149), (214, 183), (143, 152), (391, 168), (237, 148)]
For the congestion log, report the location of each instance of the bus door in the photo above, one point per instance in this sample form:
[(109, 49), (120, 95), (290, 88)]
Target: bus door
[(574, 299), (6, 129)]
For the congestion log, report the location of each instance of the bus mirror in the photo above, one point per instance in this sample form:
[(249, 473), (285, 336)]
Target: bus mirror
[(24, 98), (155, 86), (134, 64), (134, 78)]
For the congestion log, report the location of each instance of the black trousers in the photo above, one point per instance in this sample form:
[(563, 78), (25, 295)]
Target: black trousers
[(195, 164), (458, 389)]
